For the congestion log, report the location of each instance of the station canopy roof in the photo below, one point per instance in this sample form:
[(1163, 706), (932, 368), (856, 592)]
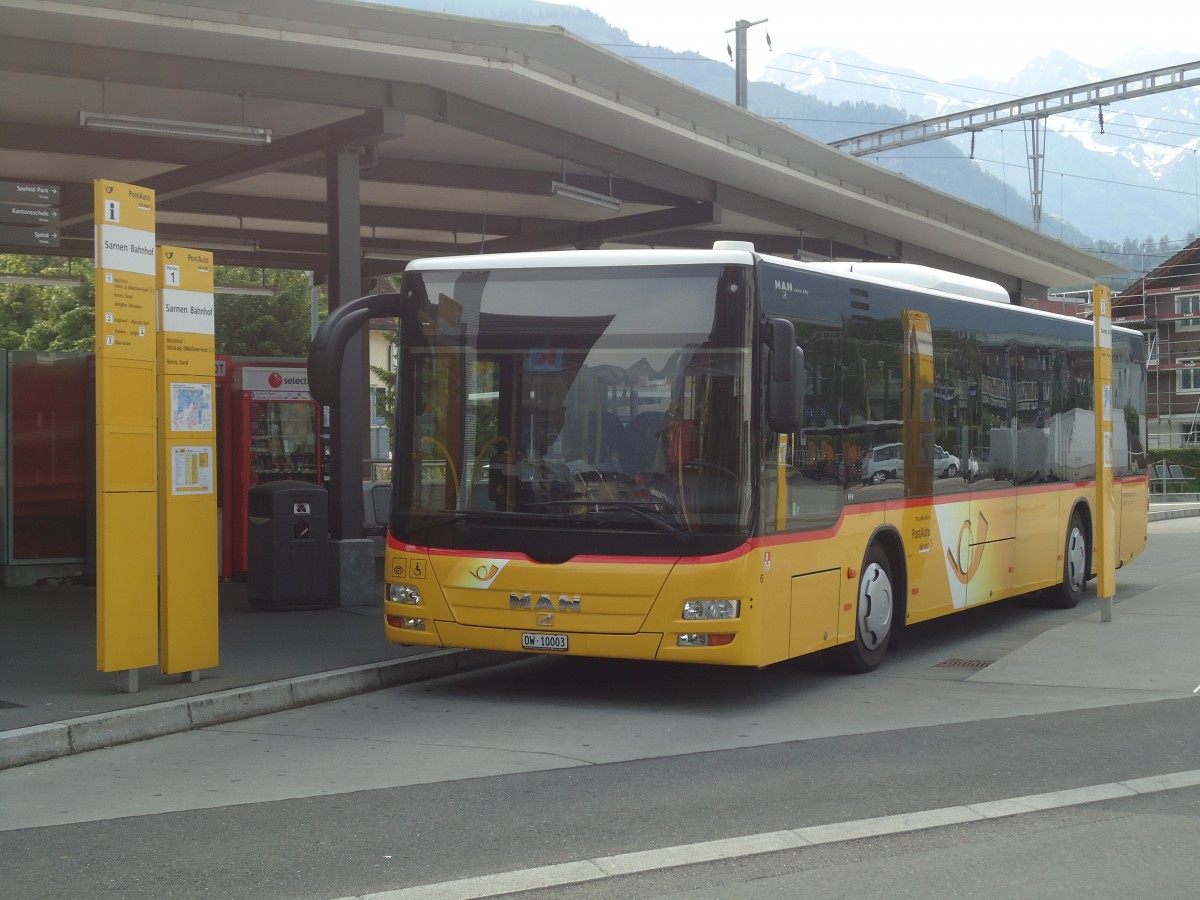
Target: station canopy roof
[(463, 125)]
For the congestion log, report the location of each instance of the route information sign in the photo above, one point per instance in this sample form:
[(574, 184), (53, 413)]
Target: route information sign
[(125, 255)]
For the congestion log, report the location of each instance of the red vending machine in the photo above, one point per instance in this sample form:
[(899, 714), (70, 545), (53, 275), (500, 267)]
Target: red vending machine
[(275, 436)]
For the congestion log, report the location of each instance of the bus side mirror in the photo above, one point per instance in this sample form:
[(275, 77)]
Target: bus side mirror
[(785, 381), (328, 345)]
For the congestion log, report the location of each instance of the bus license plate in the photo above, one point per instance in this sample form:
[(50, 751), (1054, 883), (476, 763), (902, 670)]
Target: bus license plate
[(541, 641)]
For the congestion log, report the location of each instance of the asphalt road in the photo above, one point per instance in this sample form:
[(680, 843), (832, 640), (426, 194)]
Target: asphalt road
[(1113, 850), (554, 761)]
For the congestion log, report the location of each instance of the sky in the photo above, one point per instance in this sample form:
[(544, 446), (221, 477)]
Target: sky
[(936, 38)]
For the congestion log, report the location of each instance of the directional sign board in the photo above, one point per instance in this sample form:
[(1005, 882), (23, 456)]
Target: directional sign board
[(29, 214), (27, 192), (40, 236), (33, 216)]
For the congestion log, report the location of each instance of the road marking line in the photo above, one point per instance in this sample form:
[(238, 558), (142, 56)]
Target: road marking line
[(709, 851), (772, 841)]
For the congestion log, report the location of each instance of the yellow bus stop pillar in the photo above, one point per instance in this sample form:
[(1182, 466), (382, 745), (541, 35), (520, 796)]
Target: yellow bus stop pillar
[(1106, 535), (187, 447), (126, 485)]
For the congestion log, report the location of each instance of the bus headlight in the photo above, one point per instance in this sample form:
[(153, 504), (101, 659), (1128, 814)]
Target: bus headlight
[(711, 609), (409, 594)]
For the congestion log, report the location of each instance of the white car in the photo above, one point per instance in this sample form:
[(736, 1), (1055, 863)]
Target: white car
[(945, 465), (887, 461), (882, 462)]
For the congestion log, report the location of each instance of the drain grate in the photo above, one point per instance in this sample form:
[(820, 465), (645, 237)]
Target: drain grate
[(4, 704), (964, 664)]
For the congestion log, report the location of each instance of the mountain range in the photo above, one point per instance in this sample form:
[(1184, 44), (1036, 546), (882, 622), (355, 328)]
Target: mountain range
[(1126, 170), (1121, 180)]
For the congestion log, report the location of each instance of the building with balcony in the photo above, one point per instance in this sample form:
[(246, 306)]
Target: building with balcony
[(1165, 306)]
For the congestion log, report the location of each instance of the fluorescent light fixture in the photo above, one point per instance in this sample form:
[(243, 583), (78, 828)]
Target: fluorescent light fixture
[(604, 201), (247, 290), (172, 128), (43, 280)]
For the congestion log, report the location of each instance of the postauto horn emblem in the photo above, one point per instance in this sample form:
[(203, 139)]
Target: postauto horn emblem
[(544, 602)]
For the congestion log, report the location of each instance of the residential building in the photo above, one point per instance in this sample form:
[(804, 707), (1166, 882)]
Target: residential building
[(1165, 306)]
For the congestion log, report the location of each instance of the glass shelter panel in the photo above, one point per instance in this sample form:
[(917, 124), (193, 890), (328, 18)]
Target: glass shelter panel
[(49, 478)]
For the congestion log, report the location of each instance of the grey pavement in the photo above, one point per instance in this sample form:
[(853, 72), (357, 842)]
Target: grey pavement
[(1173, 506), (53, 701)]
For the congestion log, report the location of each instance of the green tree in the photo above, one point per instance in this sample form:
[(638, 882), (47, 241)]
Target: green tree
[(37, 317), (387, 377), (278, 325)]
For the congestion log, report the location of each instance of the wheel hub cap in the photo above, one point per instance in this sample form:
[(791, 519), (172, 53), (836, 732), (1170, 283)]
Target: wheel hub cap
[(1076, 559), (874, 606)]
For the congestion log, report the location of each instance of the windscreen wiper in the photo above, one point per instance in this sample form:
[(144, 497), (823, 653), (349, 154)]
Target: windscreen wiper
[(451, 518), (660, 522)]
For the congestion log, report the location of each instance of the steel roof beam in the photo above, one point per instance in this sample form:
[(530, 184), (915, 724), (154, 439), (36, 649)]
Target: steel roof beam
[(313, 211), (1038, 106), (369, 128)]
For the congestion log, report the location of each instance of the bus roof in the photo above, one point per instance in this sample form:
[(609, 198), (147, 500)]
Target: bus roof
[(904, 275), (912, 275), (555, 259)]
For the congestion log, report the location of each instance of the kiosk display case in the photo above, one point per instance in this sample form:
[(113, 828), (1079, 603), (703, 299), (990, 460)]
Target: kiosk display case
[(276, 437)]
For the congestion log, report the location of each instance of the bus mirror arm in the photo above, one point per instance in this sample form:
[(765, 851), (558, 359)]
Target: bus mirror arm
[(785, 385), (328, 345)]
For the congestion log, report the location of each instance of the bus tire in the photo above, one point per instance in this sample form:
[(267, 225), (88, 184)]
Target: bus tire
[(1076, 564), (874, 615)]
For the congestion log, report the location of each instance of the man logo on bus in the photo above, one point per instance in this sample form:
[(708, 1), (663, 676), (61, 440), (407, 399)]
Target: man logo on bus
[(969, 550), (544, 602)]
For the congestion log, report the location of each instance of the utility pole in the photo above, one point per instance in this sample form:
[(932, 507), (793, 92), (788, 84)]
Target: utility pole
[(741, 27), (1036, 148)]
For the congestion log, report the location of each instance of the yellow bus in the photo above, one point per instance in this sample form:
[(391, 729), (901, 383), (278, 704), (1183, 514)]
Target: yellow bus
[(717, 456)]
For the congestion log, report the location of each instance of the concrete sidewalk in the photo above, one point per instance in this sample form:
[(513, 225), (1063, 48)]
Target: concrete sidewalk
[(1173, 506), (54, 703)]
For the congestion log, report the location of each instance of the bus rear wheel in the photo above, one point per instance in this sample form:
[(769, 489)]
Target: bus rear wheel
[(1076, 566), (874, 614)]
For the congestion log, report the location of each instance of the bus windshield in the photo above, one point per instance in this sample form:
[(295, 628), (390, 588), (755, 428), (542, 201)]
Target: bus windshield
[(608, 405)]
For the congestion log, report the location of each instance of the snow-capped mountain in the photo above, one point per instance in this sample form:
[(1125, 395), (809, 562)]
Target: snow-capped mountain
[(1136, 178), (1127, 169), (846, 76)]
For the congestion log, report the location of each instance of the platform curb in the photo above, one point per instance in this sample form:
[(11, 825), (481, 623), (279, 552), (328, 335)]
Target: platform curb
[(53, 740)]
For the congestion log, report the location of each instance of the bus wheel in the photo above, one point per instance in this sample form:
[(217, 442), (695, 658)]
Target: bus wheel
[(873, 615), (1075, 567)]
